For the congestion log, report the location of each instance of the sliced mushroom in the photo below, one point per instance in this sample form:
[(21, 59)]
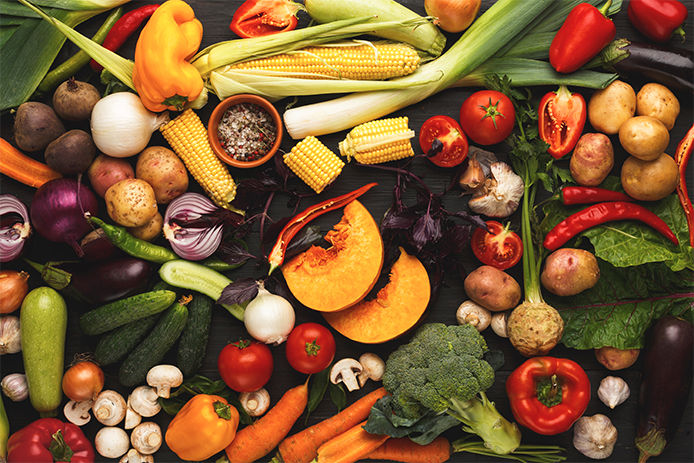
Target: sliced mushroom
[(163, 378), (146, 437), (345, 371), (144, 401), (133, 456), (372, 366), (469, 313), (109, 408), (500, 195), (255, 403), (111, 442), (132, 418), (499, 323), (77, 413)]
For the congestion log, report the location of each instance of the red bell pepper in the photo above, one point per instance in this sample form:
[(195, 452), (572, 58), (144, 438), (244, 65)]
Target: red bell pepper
[(255, 18), (561, 118), (548, 394), (49, 440), (584, 33), (658, 19)]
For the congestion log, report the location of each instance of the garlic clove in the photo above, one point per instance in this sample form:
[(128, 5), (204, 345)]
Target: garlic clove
[(613, 391), (472, 177)]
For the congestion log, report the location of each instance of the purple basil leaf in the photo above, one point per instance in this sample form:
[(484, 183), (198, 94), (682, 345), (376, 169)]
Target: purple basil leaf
[(239, 291), (426, 230), (471, 218), (303, 240), (276, 284), (272, 232), (397, 220), (233, 253), (436, 148), (281, 168), (456, 239), (212, 219), (251, 193)]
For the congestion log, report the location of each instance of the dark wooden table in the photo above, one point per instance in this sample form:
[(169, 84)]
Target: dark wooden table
[(215, 16)]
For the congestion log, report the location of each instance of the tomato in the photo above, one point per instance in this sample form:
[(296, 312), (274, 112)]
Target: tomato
[(561, 118), (487, 117), (449, 133), (245, 366), (500, 247), (310, 348), (255, 18)]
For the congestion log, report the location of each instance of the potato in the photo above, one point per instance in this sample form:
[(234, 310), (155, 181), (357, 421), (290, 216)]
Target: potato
[(492, 288), (644, 137), (161, 168), (149, 230), (609, 108), (658, 101), (592, 159), (106, 171), (570, 271), (649, 180), (616, 359), (36, 125), (131, 202)]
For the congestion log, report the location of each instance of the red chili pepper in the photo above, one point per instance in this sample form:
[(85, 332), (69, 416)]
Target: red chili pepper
[(124, 28), (548, 394), (600, 213), (297, 222), (561, 118), (682, 155), (255, 18), (571, 195), (48, 440), (584, 33), (658, 19)]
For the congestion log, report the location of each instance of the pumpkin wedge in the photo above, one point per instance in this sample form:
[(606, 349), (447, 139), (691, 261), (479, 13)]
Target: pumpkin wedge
[(396, 308), (338, 277)]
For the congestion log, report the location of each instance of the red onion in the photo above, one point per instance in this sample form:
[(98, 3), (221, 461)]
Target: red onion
[(58, 208), (12, 236), (192, 243)]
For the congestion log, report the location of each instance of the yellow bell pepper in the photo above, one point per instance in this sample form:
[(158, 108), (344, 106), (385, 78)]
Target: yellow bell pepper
[(163, 77), (204, 426)]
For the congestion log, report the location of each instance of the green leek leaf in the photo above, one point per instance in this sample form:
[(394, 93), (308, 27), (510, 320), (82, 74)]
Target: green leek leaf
[(81, 5), (5, 33)]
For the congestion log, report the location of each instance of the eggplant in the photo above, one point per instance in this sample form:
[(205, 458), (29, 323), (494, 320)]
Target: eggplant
[(666, 383)]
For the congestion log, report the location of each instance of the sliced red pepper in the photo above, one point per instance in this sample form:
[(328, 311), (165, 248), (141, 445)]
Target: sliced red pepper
[(562, 115), (658, 19), (682, 155), (548, 394), (571, 195), (255, 18)]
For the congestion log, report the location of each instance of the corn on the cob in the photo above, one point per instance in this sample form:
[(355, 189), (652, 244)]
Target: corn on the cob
[(188, 137), (314, 163), (356, 61), (379, 141)]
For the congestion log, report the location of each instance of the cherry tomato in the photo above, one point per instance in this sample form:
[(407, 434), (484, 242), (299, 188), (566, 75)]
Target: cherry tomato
[(245, 366), (449, 133), (255, 18), (310, 348), (487, 117), (500, 247), (561, 118)]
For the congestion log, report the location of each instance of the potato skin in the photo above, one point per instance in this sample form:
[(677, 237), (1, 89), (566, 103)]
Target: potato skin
[(106, 171), (568, 271), (492, 288), (161, 168), (150, 230), (649, 180), (616, 359), (35, 126), (644, 137), (592, 159), (609, 108), (131, 202), (658, 101)]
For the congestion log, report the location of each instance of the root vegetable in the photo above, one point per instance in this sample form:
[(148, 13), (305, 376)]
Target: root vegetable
[(649, 180), (453, 15), (568, 272), (611, 107), (161, 168), (150, 230), (73, 100), (595, 436), (131, 202), (492, 288), (613, 391), (644, 137), (658, 101), (592, 159), (13, 289), (83, 381), (534, 328), (616, 359), (71, 153), (35, 126), (106, 171)]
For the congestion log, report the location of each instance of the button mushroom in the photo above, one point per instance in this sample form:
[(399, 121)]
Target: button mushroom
[(255, 403), (500, 195), (132, 418), (372, 368), (163, 378), (146, 437), (143, 401), (109, 408), (499, 323), (345, 372), (133, 456), (469, 313), (77, 413), (111, 442)]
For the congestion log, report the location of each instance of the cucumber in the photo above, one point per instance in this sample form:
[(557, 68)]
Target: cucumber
[(115, 345), (193, 343), (123, 311), (149, 352), (42, 324)]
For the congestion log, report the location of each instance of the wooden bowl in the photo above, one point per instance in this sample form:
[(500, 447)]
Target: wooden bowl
[(217, 116)]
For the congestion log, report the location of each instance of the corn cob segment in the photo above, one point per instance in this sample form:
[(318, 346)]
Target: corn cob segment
[(379, 141), (351, 60), (188, 137), (314, 163)]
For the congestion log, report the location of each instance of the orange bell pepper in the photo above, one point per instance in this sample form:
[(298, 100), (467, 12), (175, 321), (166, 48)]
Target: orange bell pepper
[(204, 426)]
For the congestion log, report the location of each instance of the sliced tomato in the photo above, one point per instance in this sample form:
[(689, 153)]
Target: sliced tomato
[(500, 247), (454, 146), (562, 115), (255, 18)]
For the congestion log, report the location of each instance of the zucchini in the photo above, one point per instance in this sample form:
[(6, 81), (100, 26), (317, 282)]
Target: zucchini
[(193, 343), (151, 351), (4, 431), (124, 311), (115, 345)]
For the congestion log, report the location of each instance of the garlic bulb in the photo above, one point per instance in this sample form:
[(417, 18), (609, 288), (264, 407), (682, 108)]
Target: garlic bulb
[(500, 195), (595, 436), (15, 387), (613, 391), (10, 339)]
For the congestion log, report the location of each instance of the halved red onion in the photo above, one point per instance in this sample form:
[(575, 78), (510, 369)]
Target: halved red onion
[(191, 243), (12, 236)]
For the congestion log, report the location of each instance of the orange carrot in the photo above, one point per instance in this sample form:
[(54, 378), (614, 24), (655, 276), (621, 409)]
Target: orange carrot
[(258, 439), (404, 450), (302, 447), (350, 446), (22, 168)]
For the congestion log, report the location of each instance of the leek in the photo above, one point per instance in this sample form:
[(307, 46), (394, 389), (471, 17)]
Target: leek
[(14, 9), (5, 33), (81, 5)]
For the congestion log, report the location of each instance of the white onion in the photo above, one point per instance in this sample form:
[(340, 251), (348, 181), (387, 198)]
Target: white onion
[(269, 318)]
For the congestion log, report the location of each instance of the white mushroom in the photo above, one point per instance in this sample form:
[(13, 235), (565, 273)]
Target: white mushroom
[(111, 442), (163, 378), (133, 456), (500, 195), (132, 418), (613, 391), (77, 413), (109, 408), (372, 366), (345, 371), (146, 437), (469, 313), (499, 323), (595, 436), (255, 403), (143, 400)]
